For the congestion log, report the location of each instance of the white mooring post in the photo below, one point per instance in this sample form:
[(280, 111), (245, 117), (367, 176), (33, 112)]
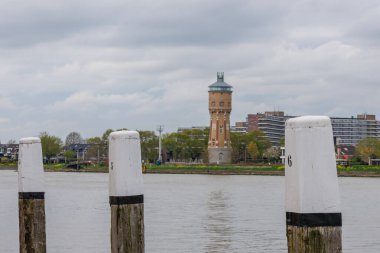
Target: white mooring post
[(126, 193), (313, 214), (32, 232)]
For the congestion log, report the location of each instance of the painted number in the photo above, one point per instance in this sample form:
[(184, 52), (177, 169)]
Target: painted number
[(290, 163)]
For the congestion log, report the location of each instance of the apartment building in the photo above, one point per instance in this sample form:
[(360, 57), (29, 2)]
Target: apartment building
[(346, 131), (349, 131), (272, 124)]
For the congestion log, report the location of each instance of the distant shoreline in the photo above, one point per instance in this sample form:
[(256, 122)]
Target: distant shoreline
[(252, 172), (205, 171)]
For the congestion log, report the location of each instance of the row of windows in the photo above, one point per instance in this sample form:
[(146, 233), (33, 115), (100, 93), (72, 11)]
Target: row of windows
[(220, 103), (220, 89)]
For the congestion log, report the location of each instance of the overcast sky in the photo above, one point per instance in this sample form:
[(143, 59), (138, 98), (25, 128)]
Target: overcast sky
[(91, 65)]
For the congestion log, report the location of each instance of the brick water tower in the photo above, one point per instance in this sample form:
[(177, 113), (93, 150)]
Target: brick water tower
[(219, 106)]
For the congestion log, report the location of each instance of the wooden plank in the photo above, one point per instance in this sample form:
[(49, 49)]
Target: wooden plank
[(32, 226), (314, 239), (127, 228)]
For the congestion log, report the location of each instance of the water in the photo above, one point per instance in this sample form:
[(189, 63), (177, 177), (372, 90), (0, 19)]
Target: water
[(186, 213)]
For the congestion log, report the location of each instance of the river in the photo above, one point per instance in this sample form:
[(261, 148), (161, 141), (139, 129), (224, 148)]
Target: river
[(186, 213)]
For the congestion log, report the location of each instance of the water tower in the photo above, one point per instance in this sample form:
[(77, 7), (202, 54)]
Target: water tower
[(219, 106)]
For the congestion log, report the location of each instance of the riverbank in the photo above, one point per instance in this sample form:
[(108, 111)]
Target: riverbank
[(363, 171), (276, 170), (62, 168)]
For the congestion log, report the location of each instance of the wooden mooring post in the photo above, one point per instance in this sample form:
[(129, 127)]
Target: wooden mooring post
[(32, 232), (313, 214), (126, 193)]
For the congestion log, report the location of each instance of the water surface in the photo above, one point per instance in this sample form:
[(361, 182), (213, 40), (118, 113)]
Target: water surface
[(186, 213)]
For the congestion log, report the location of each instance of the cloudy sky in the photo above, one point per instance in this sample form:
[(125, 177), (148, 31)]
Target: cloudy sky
[(91, 65)]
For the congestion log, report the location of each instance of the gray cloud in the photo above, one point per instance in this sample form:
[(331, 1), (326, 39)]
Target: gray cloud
[(87, 66)]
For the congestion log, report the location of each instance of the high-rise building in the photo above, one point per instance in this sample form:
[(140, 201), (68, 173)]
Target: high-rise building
[(219, 144), (272, 124), (347, 131)]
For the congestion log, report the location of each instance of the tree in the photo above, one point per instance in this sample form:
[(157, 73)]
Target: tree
[(99, 146), (239, 147), (253, 150), (189, 144), (94, 140), (272, 154), (51, 145), (149, 144), (368, 148), (94, 147), (104, 144), (69, 155), (194, 142), (106, 134), (240, 142), (170, 147), (260, 139), (282, 141), (73, 138)]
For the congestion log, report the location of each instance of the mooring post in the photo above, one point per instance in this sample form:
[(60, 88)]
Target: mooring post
[(32, 233), (313, 214), (126, 193)]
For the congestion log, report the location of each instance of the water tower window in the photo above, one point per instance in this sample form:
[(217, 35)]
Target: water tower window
[(213, 103), (221, 103)]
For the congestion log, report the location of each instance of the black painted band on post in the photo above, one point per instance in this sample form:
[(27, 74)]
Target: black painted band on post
[(31, 195), (126, 200), (314, 219)]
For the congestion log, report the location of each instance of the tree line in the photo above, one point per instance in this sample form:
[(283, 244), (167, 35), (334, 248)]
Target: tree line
[(367, 148), (188, 145)]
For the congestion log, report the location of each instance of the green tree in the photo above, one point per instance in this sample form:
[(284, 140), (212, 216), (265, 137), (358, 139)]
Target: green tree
[(104, 144), (99, 146), (106, 134), (253, 150), (260, 139), (195, 143), (239, 147), (368, 148), (169, 145), (240, 142), (69, 155), (51, 145), (282, 141), (94, 140), (188, 144), (149, 146), (95, 147)]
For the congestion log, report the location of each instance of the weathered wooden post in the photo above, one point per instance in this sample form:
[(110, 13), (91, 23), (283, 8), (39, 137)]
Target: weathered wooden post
[(313, 214), (126, 193), (32, 234)]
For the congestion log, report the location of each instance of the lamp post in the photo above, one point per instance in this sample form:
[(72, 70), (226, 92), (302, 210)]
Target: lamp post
[(160, 129)]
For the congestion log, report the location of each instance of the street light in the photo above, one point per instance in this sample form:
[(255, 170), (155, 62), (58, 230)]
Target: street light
[(160, 129)]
